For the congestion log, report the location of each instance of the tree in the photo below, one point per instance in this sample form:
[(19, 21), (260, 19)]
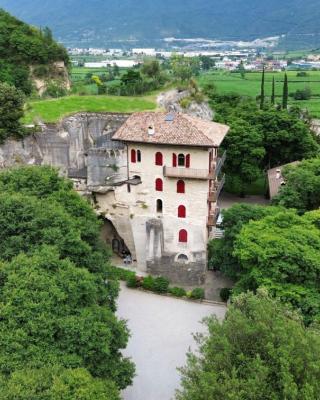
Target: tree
[(244, 145), (54, 313), (11, 111), (184, 68), (151, 69), (242, 70), (221, 255), (273, 93), (260, 351), (281, 252), (206, 63), (57, 383), (58, 329), (302, 188), (262, 90), (285, 93)]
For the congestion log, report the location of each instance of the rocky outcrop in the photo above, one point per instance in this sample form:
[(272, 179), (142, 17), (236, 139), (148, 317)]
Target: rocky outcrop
[(77, 144), (170, 101), (56, 73), (315, 126)]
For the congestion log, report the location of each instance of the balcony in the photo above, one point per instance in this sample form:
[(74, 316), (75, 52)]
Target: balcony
[(215, 192), (186, 173), (212, 219)]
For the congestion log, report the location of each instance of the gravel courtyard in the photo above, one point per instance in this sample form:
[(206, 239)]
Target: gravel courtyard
[(161, 329)]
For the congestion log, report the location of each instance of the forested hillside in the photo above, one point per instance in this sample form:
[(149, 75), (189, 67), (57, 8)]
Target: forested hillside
[(100, 21), (22, 46)]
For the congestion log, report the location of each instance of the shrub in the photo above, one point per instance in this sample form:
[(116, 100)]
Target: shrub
[(197, 293), (185, 102), (132, 281), (302, 94), (120, 274), (160, 285), (225, 294), (55, 90), (177, 291), (41, 71), (148, 282)]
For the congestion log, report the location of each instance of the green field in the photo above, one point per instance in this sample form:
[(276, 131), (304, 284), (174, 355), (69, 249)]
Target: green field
[(227, 82), (53, 110)]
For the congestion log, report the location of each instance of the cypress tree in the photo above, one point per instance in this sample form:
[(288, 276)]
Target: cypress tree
[(285, 92), (273, 94), (262, 91)]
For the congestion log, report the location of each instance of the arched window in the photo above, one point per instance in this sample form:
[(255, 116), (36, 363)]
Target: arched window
[(159, 206), (181, 187), (159, 158), (188, 160), (133, 156), (182, 258), (182, 212), (159, 185), (174, 160), (183, 236), (181, 160), (138, 155)]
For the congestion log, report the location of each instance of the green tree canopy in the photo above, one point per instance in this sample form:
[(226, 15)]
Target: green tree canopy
[(51, 315), (60, 338), (57, 383), (11, 111), (221, 250), (281, 136), (302, 189), (281, 252), (261, 351)]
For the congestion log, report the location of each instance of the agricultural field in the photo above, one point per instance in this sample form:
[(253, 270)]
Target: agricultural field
[(229, 82), (53, 110)]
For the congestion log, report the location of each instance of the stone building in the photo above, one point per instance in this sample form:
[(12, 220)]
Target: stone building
[(165, 206)]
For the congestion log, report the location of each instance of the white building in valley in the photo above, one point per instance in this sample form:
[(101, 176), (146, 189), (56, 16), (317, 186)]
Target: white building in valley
[(167, 205)]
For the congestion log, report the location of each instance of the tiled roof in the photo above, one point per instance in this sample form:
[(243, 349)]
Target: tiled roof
[(172, 128)]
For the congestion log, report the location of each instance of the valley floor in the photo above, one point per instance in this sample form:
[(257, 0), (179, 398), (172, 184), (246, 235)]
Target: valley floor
[(161, 329)]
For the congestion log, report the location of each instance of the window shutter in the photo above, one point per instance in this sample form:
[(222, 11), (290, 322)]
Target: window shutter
[(174, 160), (188, 161)]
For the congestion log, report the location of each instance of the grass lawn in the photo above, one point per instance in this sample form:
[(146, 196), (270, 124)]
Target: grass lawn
[(227, 82), (54, 110)]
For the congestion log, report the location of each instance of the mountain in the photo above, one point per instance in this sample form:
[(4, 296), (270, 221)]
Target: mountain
[(104, 21)]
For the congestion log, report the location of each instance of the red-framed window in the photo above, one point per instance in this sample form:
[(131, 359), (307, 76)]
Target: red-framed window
[(133, 156), (159, 185), (159, 158), (181, 186), (182, 213), (183, 236)]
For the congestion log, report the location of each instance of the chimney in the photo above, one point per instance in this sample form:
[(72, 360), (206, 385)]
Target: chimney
[(151, 131), (278, 174)]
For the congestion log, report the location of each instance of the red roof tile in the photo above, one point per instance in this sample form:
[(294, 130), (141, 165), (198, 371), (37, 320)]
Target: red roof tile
[(172, 128)]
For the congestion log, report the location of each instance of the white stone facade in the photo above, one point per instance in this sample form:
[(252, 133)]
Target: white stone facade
[(132, 208)]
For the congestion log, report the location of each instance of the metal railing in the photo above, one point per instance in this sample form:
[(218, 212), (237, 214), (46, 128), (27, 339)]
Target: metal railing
[(219, 164), (214, 194)]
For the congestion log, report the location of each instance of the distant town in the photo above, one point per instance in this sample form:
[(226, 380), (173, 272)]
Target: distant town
[(250, 59)]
